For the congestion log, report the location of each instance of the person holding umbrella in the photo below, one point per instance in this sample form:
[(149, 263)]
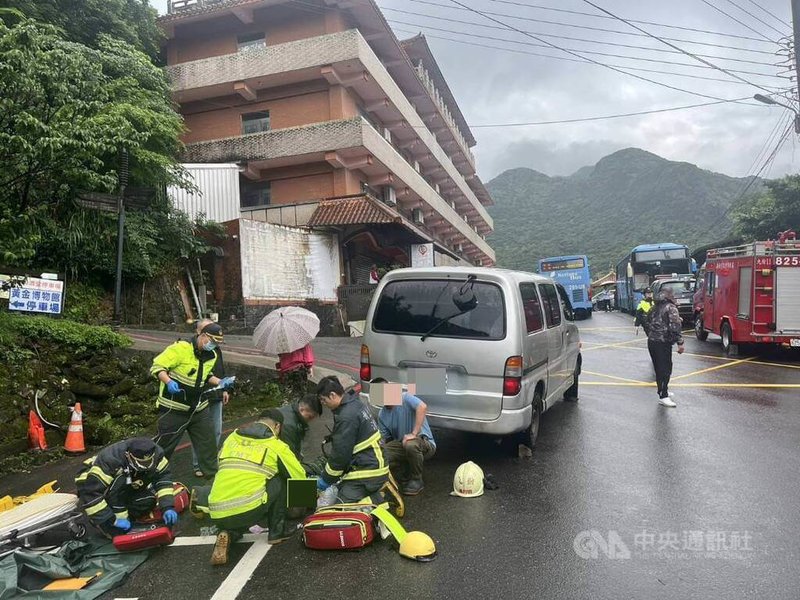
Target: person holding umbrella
[(288, 332)]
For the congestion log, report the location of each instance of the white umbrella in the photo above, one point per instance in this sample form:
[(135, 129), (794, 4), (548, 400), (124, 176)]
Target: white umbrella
[(285, 330)]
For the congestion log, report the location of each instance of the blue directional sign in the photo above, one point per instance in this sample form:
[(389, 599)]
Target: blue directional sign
[(37, 295)]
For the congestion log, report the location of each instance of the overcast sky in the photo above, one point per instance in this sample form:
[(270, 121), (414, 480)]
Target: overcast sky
[(496, 86)]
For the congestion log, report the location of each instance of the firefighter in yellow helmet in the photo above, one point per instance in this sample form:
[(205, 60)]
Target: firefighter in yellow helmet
[(250, 486)]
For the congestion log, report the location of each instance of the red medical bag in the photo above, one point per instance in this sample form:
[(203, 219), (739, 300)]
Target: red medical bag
[(338, 531), (148, 538)]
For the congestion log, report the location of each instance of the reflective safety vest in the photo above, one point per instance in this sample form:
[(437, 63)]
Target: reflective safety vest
[(645, 306), (246, 464), (190, 369)]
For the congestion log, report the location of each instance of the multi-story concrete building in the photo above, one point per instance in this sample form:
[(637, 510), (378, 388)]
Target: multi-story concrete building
[(337, 127)]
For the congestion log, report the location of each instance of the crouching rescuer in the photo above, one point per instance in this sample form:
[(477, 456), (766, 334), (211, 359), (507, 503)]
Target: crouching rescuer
[(250, 486), (125, 481), (356, 459)]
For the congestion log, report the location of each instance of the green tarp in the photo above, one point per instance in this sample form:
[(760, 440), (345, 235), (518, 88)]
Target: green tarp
[(24, 573)]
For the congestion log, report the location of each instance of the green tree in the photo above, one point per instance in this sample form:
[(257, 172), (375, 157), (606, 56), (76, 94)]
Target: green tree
[(65, 112), (88, 21), (776, 210)]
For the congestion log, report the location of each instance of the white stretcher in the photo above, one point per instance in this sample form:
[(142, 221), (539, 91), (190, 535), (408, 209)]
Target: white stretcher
[(20, 525)]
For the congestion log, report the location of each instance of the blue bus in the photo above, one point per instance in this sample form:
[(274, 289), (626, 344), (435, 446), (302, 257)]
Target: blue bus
[(572, 272), (638, 269)]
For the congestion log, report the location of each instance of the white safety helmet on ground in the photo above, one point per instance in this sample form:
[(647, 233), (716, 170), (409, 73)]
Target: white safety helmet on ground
[(468, 481)]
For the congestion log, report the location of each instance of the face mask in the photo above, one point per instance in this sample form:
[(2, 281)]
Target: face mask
[(209, 346)]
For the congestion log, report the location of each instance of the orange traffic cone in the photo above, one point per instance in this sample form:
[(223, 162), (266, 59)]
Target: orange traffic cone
[(74, 442), (36, 432)]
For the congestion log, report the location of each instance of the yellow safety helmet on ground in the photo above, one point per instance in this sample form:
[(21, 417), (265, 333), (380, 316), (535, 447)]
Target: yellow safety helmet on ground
[(468, 481), (418, 546)]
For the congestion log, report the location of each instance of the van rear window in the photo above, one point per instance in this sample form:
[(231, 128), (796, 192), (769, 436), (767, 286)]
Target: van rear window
[(414, 307)]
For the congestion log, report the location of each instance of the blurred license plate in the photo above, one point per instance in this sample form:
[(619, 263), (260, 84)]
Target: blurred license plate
[(794, 342)]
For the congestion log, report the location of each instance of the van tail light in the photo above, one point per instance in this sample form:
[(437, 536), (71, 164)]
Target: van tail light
[(365, 372), (590, 293), (512, 376)]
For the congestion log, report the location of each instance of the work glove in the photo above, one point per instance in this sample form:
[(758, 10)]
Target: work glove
[(170, 517), (123, 524), (227, 382), (322, 485), (173, 387)]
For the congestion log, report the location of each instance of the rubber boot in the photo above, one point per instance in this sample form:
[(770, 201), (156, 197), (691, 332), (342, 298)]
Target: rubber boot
[(220, 554)]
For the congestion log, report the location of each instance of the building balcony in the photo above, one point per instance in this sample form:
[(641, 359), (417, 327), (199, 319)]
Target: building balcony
[(348, 143), (343, 58)]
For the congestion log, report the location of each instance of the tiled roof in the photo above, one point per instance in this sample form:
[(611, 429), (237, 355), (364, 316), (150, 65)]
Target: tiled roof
[(352, 211)]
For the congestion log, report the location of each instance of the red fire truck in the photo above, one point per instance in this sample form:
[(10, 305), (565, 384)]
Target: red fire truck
[(750, 294)]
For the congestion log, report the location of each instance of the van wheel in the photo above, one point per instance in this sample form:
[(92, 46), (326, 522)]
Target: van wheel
[(531, 434), (699, 330), (727, 335), (571, 395)]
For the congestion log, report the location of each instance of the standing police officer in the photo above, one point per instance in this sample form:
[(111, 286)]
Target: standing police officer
[(184, 370)]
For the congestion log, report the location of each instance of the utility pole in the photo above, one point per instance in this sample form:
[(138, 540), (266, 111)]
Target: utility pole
[(123, 182), (796, 39)]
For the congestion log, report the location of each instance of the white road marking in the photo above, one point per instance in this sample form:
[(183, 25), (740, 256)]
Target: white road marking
[(234, 583), (208, 540)]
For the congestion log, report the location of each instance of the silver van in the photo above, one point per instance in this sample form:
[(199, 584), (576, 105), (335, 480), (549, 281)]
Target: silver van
[(489, 350)]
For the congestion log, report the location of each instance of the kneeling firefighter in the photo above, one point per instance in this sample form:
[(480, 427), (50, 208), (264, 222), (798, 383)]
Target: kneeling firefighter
[(125, 481), (250, 486), (356, 460)]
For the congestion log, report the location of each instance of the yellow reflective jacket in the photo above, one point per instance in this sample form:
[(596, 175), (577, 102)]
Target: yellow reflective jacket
[(188, 367), (249, 458)]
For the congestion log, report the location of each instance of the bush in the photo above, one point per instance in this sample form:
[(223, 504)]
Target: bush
[(87, 303), (34, 332)]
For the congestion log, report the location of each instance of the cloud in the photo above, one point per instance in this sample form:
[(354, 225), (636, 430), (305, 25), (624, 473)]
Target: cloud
[(505, 86)]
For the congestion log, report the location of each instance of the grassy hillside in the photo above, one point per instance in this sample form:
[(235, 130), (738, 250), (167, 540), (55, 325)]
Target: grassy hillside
[(630, 197)]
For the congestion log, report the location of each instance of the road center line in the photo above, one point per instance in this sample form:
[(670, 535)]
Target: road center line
[(236, 580), (725, 366), (612, 376), (617, 344)]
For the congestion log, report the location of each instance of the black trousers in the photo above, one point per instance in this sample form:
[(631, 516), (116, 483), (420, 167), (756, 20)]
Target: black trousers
[(661, 355), (172, 424)]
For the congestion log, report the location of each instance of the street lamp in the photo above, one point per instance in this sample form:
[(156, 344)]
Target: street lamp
[(772, 102)]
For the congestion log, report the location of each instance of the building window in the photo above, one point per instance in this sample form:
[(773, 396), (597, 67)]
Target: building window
[(250, 41), (254, 193), (256, 122)]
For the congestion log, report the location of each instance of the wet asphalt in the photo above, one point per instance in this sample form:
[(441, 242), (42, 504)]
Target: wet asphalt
[(622, 498)]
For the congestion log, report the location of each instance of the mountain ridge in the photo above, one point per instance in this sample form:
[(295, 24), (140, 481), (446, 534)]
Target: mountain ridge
[(629, 197)]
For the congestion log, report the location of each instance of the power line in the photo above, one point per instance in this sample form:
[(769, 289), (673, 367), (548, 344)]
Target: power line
[(576, 39), (682, 28), (564, 58), (778, 19), (591, 52), (697, 57), (730, 16), (601, 29), (769, 160), (607, 117), (781, 33), (578, 55)]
